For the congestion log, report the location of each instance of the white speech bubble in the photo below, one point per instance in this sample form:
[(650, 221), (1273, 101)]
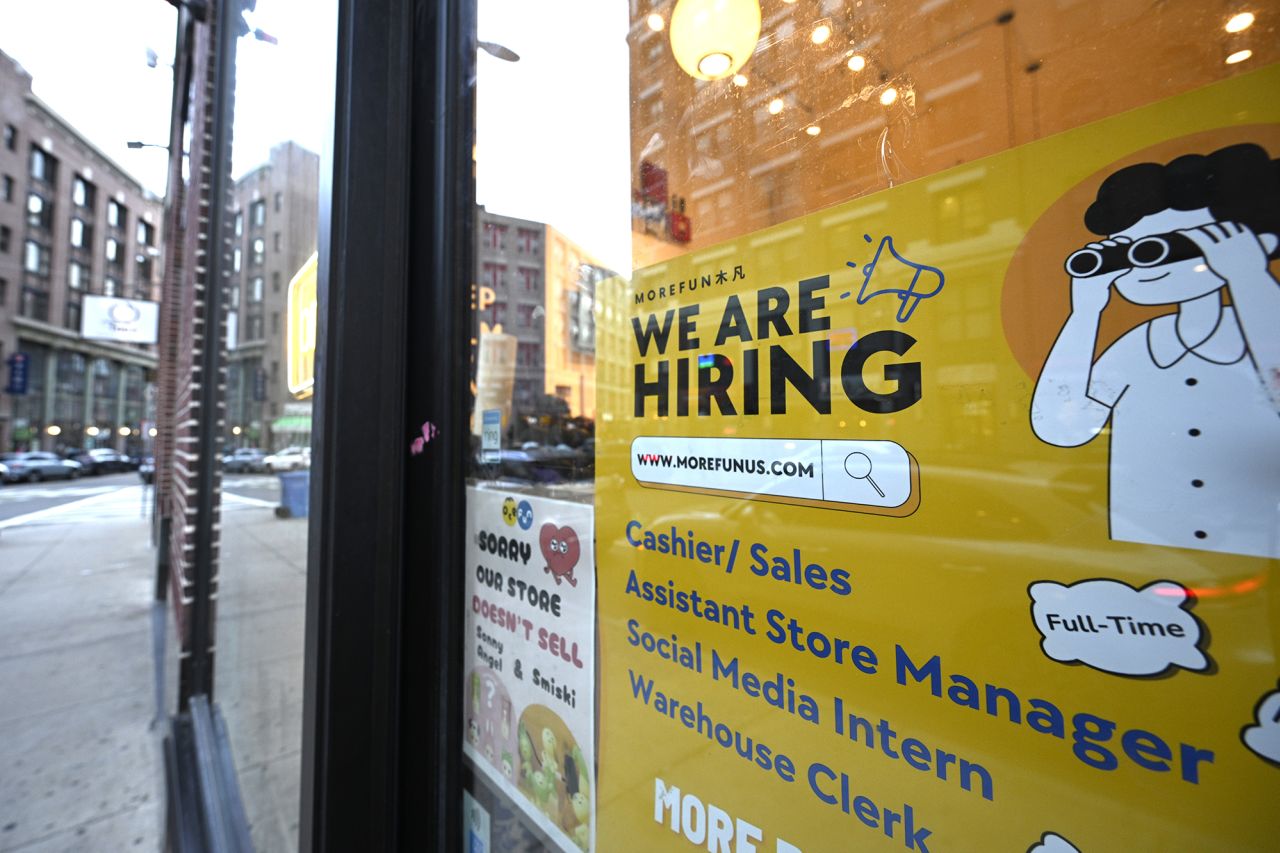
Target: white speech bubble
[(1051, 842), (1264, 737), (1113, 627)]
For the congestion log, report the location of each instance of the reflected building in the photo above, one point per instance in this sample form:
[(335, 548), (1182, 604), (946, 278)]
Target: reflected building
[(540, 288), (72, 223), (275, 211)]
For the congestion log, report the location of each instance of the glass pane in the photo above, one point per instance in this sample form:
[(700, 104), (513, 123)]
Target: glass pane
[(284, 108), (847, 382)]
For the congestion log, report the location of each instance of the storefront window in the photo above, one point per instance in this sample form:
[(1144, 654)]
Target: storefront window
[(868, 408), (282, 122)]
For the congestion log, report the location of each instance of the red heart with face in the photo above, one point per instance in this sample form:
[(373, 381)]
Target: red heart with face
[(560, 548)]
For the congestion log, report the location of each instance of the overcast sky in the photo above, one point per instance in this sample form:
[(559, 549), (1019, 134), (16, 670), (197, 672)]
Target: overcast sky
[(552, 128)]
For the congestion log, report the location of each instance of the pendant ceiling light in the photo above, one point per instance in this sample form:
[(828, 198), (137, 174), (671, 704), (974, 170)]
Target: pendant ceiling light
[(712, 39)]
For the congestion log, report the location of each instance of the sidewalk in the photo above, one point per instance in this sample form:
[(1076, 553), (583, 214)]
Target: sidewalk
[(80, 766)]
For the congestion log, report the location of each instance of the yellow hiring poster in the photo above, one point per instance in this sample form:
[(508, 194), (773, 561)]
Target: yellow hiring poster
[(946, 519)]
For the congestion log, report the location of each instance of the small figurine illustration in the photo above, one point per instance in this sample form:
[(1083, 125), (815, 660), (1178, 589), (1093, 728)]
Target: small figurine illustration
[(561, 549), (1192, 397), (526, 752)]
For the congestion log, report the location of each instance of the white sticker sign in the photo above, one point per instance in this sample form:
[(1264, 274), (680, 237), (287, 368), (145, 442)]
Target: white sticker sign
[(529, 698), (1115, 628)]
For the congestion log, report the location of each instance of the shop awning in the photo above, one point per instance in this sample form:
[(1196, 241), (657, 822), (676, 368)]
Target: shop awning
[(291, 423)]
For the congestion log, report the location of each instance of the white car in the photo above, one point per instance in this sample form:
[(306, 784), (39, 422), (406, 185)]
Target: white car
[(289, 459)]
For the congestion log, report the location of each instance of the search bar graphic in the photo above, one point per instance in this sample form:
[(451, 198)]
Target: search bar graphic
[(869, 476)]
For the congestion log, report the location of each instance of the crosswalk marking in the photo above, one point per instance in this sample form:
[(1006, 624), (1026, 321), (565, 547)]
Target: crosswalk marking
[(117, 503), (12, 495)]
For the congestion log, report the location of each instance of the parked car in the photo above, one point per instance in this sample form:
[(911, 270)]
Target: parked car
[(103, 460), (244, 460), (147, 469), (289, 459), (37, 465)]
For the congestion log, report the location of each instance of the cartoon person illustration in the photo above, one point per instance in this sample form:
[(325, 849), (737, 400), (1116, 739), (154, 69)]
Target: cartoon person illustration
[(1192, 396)]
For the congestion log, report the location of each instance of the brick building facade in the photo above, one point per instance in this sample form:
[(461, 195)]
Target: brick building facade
[(72, 223)]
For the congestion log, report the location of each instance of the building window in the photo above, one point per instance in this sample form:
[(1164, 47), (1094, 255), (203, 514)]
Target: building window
[(259, 251), (113, 250), (5, 236), (4, 290), (235, 295), (116, 215), (275, 322), (144, 267), (35, 304), (7, 192), (530, 279), (235, 260), (275, 282), (494, 275), (82, 193), (39, 212), (76, 276), (110, 287), (258, 214), (279, 201), (524, 314), (275, 241), (81, 234), (35, 258), (10, 137), (529, 354), (526, 240), (72, 318), (494, 234), (275, 372), (145, 233), (239, 224), (43, 167), (255, 290)]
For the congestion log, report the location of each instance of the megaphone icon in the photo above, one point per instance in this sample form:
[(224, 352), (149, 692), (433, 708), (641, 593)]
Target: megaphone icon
[(910, 296)]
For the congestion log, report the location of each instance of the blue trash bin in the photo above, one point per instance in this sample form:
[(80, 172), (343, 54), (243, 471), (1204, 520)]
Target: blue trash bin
[(295, 494)]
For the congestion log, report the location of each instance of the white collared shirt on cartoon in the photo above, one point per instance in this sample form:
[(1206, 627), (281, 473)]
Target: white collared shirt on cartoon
[(1195, 436)]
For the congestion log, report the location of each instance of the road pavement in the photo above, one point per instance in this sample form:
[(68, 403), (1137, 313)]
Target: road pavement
[(18, 500)]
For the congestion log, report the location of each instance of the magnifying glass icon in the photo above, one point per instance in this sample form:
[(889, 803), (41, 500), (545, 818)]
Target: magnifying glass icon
[(858, 466)]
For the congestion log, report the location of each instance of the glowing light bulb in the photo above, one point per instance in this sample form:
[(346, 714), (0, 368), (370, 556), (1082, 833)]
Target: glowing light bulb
[(1239, 23), (714, 65), (888, 96), (1239, 56), (739, 80), (655, 22), (775, 106), (820, 34), (857, 62), (813, 130), (713, 39)]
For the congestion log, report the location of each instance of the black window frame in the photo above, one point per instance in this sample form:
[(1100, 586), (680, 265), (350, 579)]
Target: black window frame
[(382, 765)]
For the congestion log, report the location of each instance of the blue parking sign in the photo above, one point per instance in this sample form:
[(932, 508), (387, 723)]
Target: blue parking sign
[(18, 364)]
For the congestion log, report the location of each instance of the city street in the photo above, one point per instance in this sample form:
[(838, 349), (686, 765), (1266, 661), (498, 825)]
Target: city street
[(22, 503)]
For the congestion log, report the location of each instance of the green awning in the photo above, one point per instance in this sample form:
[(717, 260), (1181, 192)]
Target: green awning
[(291, 423)]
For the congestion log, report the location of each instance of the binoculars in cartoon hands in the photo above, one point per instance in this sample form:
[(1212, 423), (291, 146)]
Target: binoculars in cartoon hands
[(1148, 251)]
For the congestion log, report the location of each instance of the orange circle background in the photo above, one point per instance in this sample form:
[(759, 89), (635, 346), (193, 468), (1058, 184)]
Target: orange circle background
[(1037, 295)]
